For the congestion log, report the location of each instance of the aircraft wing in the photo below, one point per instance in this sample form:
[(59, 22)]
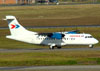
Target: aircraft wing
[(71, 32), (58, 35)]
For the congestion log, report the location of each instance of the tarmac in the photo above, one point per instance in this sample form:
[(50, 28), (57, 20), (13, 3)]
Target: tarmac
[(53, 68), (47, 49)]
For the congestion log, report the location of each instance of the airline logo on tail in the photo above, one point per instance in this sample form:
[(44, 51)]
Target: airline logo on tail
[(14, 26)]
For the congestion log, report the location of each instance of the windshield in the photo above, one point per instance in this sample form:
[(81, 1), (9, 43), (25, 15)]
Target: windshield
[(88, 37)]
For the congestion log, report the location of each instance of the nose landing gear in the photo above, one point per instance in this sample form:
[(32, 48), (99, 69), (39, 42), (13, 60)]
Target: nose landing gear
[(91, 46)]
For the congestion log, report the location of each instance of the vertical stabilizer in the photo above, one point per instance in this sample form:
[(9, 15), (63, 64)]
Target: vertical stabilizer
[(15, 27)]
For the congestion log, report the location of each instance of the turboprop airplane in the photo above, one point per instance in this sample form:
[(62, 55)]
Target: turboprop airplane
[(55, 39)]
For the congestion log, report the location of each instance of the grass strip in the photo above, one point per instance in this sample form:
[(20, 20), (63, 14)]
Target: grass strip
[(50, 58), (57, 15)]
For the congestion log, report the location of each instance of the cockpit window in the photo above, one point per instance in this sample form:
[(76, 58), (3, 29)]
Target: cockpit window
[(88, 37)]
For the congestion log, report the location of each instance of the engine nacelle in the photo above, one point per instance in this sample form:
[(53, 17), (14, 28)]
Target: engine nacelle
[(56, 35)]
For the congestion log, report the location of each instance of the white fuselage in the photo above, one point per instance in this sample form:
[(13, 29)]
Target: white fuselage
[(69, 39), (18, 32)]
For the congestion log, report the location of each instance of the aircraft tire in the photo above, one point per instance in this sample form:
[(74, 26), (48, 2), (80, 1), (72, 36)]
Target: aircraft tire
[(91, 46), (59, 47), (51, 47)]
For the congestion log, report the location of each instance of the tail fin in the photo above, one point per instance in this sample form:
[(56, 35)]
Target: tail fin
[(14, 26)]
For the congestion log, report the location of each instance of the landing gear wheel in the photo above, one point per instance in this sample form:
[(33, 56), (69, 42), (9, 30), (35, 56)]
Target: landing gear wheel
[(52, 47), (91, 46), (59, 47)]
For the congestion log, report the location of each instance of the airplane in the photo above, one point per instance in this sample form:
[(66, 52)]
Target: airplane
[(55, 39)]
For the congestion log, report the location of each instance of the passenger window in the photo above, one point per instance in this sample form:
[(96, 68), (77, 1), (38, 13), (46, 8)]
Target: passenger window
[(65, 38), (86, 37)]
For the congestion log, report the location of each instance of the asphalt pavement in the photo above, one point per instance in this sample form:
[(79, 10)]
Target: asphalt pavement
[(53, 68), (47, 49)]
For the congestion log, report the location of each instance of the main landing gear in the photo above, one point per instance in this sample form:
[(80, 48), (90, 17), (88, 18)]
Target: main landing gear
[(52, 47)]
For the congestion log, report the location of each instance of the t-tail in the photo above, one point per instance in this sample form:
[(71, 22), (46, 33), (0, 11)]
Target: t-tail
[(18, 32), (15, 27)]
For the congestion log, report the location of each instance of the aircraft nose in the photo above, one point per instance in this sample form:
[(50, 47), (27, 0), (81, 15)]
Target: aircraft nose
[(96, 41)]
